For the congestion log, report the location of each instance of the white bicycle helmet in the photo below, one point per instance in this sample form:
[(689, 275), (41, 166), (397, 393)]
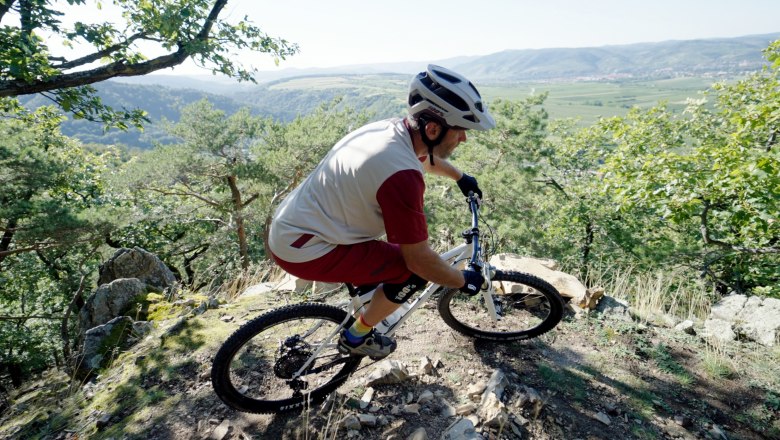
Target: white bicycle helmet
[(450, 97)]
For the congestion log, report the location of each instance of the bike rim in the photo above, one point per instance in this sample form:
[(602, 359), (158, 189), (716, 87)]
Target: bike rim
[(522, 311), (262, 369)]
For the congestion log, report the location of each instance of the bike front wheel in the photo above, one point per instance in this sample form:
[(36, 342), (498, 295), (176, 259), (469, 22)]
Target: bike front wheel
[(526, 307), (255, 369)]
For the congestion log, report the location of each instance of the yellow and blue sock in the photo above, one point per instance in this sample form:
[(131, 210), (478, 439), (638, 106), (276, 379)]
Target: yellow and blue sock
[(357, 333)]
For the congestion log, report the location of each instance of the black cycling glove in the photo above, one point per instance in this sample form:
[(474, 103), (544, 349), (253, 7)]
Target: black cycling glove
[(467, 183), (474, 282)]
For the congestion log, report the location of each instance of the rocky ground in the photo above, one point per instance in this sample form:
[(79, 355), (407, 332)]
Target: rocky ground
[(594, 377)]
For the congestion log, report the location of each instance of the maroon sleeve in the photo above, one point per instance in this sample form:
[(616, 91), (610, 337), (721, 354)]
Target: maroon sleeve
[(401, 200)]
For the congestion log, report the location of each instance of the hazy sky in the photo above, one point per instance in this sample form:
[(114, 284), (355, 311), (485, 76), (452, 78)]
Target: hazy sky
[(341, 32)]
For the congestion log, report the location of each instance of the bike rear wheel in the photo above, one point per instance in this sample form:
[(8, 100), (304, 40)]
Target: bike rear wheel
[(527, 307), (253, 370)]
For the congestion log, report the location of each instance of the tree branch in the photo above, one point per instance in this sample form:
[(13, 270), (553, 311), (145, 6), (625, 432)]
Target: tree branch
[(99, 54), (554, 183), (42, 245), (187, 194), (116, 69), (250, 200), (188, 263), (67, 80), (706, 271), (34, 247), (5, 7), (8, 235), (72, 307), (705, 234), (25, 318)]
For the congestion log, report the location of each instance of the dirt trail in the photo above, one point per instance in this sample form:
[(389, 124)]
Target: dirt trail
[(645, 382), (596, 378)]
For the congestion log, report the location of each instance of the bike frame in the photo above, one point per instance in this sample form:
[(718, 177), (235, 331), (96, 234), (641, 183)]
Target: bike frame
[(470, 250)]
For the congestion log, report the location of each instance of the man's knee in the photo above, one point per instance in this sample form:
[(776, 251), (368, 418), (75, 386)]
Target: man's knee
[(400, 292)]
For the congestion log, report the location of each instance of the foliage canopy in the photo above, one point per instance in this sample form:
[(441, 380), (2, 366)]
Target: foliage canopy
[(152, 35)]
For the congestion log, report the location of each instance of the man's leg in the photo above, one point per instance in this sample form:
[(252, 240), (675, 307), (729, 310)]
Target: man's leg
[(379, 308), (360, 337), (365, 263)]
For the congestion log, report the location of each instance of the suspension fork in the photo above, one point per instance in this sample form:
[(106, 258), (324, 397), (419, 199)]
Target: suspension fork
[(477, 262)]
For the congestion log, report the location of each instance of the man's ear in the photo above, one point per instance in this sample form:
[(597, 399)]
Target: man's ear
[(432, 129)]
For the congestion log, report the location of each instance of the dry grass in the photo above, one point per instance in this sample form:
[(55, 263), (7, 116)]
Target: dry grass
[(716, 363), (655, 294), (256, 274)]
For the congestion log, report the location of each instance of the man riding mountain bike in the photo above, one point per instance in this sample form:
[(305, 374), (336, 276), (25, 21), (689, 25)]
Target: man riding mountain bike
[(371, 184)]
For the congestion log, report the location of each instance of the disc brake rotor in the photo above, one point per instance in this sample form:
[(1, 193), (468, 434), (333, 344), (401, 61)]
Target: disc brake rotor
[(293, 354)]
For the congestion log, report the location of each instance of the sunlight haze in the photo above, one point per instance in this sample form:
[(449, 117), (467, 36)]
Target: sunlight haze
[(352, 32), (347, 32)]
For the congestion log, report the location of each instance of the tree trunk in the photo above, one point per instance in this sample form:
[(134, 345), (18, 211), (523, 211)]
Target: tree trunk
[(16, 373), (238, 216), (586, 249), (8, 236), (188, 264), (75, 304)]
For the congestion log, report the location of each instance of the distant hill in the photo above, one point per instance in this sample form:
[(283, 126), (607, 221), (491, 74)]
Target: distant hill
[(666, 59), (279, 101), (380, 88), (158, 101), (646, 60)]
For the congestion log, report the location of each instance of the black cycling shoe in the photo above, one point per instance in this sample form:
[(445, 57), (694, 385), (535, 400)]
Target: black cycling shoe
[(374, 345)]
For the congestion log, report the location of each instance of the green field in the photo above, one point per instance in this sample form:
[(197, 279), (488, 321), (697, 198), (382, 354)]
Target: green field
[(588, 101), (585, 101)]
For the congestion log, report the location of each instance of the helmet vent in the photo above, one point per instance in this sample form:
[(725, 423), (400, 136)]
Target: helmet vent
[(475, 91), (453, 99), (448, 77), (445, 93)]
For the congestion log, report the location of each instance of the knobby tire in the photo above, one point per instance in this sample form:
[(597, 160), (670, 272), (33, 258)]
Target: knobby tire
[(541, 288), (221, 368)]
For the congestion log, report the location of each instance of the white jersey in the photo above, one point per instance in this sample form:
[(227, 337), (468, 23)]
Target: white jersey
[(369, 184)]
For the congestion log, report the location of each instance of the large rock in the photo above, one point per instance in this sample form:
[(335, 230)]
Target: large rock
[(751, 310), (567, 285), (100, 341), (728, 308), (614, 308), (387, 372), (109, 301), (258, 290), (137, 263), (491, 410), (495, 386), (718, 329), (299, 285), (753, 318), (762, 324), (461, 429)]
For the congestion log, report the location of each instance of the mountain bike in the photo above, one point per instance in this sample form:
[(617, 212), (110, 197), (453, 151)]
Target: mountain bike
[(288, 357)]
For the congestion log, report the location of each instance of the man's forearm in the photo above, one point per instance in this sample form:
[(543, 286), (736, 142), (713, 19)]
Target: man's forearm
[(427, 264), (443, 167)]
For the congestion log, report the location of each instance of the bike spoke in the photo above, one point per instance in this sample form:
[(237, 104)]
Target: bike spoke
[(265, 365), (522, 311)]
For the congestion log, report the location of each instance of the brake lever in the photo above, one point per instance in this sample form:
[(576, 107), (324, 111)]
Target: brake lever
[(475, 198)]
